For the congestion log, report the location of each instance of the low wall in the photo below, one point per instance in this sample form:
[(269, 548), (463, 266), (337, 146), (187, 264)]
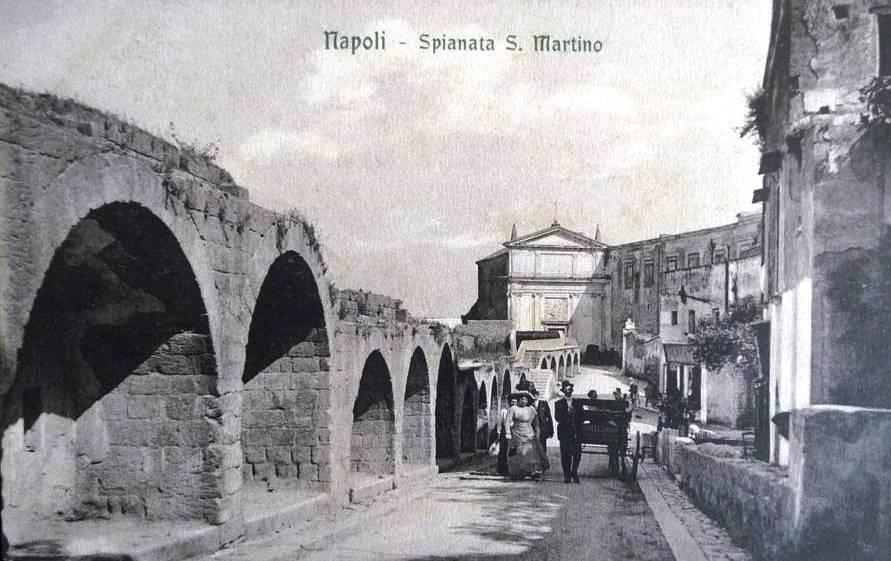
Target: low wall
[(752, 500), (833, 503)]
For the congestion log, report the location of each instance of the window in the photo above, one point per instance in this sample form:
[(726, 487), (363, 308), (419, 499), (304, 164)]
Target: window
[(671, 263), (693, 259), (691, 321), (884, 44), (629, 275), (649, 274), (674, 317), (719, 255)]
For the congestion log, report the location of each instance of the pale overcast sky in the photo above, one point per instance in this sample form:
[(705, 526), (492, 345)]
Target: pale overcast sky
[(414, 165)]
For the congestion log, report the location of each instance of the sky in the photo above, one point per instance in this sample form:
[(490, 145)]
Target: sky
[(414, 164)]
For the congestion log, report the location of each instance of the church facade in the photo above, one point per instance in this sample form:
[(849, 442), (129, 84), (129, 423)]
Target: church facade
[(556, 279), (553, 279)]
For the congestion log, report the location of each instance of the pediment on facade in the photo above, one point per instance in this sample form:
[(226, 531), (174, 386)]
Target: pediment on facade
[(555, 236)]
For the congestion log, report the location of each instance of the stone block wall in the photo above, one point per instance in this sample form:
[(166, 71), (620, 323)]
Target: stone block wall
[(151, 447), (162, 455), (417, 432), (351, 304), (285, 433), (371, 442), (753, 500)]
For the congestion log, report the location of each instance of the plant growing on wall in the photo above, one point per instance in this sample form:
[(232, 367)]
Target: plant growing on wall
[(729, 339), (877, 97), (756, 121)]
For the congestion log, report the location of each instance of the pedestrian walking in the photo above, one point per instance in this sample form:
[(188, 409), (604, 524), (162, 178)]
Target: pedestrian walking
[(568, 413)]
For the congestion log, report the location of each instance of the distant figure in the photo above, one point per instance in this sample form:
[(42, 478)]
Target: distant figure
[(502, 446), (592, 394), (633, 394), (545, 422), (617, 395)]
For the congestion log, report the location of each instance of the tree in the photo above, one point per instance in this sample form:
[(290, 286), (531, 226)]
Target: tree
[(729, 339)]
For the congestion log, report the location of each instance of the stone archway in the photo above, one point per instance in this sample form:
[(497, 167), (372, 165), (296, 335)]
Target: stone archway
[(285, 378), (416, 445), (561, 368), (468, 413), (544, 364), (116, 397), (373, 431), (482, 424), (446, 435), (493, 411)]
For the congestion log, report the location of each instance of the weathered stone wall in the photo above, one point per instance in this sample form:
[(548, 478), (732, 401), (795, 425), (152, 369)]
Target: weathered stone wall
[(650, 306), (754, 501), (285, 433)]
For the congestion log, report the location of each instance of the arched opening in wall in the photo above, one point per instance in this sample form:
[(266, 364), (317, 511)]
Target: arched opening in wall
[(482, 411), (544, 364), (373, 430), (577, 363), (416, 437), (561, 369), (285, 397), (446, 435), (493, 411), (554, 366), (115, 410), (505, 390), (468, 413)]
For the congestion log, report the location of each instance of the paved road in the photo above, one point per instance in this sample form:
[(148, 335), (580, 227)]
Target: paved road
[(485, 518)]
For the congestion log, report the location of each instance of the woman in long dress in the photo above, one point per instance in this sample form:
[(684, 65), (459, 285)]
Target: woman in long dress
[(526, 457)]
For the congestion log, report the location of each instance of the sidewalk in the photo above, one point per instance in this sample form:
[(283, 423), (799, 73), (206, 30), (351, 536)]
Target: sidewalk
[(692, 535)]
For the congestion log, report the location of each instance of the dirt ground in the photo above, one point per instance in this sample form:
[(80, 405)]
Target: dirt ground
[(485, 518)]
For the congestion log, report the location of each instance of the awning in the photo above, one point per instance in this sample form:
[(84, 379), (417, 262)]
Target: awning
[(679, 353)]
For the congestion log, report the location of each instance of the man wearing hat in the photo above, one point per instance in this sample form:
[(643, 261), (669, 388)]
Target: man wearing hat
[(568, 413)]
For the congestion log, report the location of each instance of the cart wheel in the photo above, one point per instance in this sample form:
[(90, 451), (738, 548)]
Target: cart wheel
[(635, 460)]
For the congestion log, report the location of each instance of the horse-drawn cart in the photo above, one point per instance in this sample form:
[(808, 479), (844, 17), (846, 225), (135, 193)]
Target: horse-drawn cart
[(604, 431)]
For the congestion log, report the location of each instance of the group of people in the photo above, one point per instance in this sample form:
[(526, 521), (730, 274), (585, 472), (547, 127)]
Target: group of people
[(527, 425)]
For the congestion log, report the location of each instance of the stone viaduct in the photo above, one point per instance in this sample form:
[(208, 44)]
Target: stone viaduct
[(171, 351)]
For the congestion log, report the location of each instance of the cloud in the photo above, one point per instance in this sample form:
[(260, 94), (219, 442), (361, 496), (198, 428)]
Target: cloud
[(276, 143)]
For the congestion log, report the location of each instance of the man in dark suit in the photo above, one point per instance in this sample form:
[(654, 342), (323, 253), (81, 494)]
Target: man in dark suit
[(568, 413)]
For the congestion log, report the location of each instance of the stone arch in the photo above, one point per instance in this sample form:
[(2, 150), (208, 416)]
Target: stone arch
[(544, 363), (482, 424), (416, 446), (373, 430), (285, 377), (561, 368), (469, 408), (554, 366), (116, 396), (505, 389), (445, 406)]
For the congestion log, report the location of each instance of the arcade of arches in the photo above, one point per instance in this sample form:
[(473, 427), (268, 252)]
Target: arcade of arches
[(171, 351)]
